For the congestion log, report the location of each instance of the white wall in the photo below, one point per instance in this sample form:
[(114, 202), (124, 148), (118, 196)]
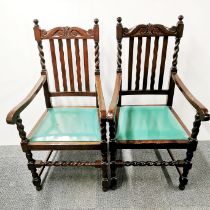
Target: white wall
[(19, 61)]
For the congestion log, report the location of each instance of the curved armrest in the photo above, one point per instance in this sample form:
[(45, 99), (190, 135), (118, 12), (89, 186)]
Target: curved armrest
[(12, 115), (201, 109), (101, 103), (115, 97)]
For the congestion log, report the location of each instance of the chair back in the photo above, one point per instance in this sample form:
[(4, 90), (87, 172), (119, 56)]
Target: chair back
[(145, 70), (67, 80)]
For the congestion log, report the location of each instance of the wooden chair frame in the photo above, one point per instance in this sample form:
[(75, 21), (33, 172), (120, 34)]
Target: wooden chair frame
[(13, 117), (149, 31)]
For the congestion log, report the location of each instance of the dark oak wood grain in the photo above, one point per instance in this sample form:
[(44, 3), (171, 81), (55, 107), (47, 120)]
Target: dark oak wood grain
[(154, 62), (162, 64), (152, 144), (130, 63), (64, 35), (64, 145), (70, 62), (86, 66), (146, 63), (72, 93), (63, 69), (115, 97), (79, 82), (144, 92), (180, 27), (46, 91), (101, 103), (148, 31), (54, 63), (138, 63)]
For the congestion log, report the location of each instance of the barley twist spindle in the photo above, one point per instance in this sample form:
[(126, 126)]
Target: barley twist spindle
[(40, 48), (20, 128), (189, 155), (119, 47), (180, 26), (196, 127), (175, 55), (97, 61)]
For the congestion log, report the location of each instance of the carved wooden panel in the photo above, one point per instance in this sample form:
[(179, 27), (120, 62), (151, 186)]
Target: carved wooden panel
[(149, 30), (67, 33)]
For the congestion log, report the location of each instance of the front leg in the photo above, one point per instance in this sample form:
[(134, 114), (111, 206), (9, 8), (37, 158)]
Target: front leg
[(31, 166), (31, 162), (104, 166), (190, 150), (113, 151)]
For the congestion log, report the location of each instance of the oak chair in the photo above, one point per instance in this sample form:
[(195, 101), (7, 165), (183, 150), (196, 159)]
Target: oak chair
[(65, 128), (151, 126)]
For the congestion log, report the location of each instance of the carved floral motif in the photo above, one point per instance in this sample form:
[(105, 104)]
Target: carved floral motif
[(149, 30), (67, 32)]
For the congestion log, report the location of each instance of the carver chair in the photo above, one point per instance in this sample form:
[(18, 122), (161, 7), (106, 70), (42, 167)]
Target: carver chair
[(151, 126), (65, 128)]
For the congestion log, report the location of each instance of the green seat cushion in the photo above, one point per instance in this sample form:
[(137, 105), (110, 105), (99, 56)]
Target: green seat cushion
[(68, 124), (149, 123)]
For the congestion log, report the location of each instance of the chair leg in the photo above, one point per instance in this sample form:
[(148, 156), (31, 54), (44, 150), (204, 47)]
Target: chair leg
[(104, 164), (191, 148), (183, 180), (31, 166), (113, 150), (113, 167), (104, 167)]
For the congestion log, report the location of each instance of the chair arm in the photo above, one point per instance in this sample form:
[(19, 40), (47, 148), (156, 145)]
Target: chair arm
[(99, 92), (201, 109), (115, 97), (13, 114)]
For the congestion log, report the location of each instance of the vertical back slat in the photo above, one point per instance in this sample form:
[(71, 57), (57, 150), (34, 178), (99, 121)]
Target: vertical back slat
[(130, 62), (71, 74), (162, 64), (86, 67), (138, 64), (76, 43), (54, 63), (154, 62), (63, 70), (146, 62)]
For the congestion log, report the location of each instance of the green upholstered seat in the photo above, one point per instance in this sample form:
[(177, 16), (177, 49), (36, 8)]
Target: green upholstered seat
[(68, 124), (149, 123)]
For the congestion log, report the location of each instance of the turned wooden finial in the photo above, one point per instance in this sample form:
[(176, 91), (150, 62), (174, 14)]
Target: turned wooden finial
[(96, 21), (181, 17), (96, 30), (180, 26), (36, 22), (37, 30), (119, 20), (119, 29)]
